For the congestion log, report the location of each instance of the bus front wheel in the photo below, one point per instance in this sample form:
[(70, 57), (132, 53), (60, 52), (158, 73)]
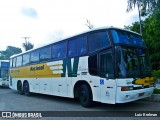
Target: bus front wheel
[(26, 88), (85, 95)]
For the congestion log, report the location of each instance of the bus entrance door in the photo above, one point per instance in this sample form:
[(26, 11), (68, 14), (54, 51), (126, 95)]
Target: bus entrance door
[(108, 85)]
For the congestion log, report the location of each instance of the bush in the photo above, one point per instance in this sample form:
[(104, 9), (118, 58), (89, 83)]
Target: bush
[(156, 91), (156, 74)]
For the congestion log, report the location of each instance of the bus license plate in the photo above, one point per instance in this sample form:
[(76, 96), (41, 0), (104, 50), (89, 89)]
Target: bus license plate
[(141, 94)]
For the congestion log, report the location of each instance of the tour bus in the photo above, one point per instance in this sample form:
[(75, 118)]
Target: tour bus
[(4, 72), (107, 65)]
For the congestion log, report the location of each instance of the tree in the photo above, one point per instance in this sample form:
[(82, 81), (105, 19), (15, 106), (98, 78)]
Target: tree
[(89, 24), (27, 45), (5, 55), (151, 26), (151, 36), (145, 6)]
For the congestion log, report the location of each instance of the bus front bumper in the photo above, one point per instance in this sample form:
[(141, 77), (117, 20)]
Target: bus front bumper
[(128, 96), (4, 83)]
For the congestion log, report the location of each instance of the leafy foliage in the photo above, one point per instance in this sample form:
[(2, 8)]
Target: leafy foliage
[(156, 74), (27, 45), (5, 55), (151, 36), (146, 6), (156, 91)]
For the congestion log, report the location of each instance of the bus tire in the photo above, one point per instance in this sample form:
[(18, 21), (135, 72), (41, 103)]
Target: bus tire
[(85, 96), (26, 88), (20, 88)]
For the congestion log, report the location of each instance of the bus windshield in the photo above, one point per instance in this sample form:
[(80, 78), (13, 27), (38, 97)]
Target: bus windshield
[(4, 73), (128, 38), (132, 62)]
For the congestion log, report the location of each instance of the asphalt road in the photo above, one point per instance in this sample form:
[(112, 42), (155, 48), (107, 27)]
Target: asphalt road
[(10, 100)]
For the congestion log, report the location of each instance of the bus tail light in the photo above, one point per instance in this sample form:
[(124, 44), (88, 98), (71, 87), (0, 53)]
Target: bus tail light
[(126, 88)]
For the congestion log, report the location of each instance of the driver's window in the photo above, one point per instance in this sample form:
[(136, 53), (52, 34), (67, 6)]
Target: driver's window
[(106, 64)]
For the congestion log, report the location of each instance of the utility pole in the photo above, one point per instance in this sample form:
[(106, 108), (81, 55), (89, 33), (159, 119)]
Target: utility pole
[(26, 38)]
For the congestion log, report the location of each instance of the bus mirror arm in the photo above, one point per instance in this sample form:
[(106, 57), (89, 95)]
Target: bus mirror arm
[(107, 76)]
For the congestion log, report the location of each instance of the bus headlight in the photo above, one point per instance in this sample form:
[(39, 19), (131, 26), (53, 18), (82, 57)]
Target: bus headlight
[(126, 88)]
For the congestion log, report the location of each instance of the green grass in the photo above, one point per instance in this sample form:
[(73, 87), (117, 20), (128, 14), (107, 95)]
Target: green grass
[(156, 91)]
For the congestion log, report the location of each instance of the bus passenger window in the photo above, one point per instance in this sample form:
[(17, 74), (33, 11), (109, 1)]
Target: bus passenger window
[(34, 56), (82, 45), (26, 59), (97, 41), (45, 54), (72, 48), (19, 61), (59, 50), (77, 47)]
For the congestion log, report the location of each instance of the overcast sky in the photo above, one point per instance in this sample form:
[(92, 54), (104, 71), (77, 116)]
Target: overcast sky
[(44, 21)]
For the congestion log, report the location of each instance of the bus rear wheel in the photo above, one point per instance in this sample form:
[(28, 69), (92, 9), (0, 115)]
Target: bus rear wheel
[(26, 88), (19, 88), (85, 96)]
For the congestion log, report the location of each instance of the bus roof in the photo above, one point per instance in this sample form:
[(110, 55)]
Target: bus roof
[(4, 60), (88, 31)]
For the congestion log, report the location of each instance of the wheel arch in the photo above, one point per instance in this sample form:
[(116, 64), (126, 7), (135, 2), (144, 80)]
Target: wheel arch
[(25, 81), (77, 87)]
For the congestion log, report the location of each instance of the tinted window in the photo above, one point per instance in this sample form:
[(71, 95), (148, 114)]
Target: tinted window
[(97, 41), (77, 47), (72, 48), (82, 45), (34, 56), (125, 37), (45, 54), (93, 65), (19, 61), (4, 64), (59, 50), (106, 64), (26, 59)]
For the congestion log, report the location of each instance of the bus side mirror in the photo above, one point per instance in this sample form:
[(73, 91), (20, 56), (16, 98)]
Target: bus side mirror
[(109, 76)]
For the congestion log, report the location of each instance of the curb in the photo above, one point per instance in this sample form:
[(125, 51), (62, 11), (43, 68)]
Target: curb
[(153, 98)]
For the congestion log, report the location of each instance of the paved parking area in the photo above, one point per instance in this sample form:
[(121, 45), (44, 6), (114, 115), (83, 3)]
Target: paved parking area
[(10, 100)]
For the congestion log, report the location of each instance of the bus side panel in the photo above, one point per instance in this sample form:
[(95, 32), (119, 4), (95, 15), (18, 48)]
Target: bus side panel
[(45, 85), (103, 90), (108, 90), (73, 75), (13, 85), (14, 73), (58, 82), (93, 81)]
